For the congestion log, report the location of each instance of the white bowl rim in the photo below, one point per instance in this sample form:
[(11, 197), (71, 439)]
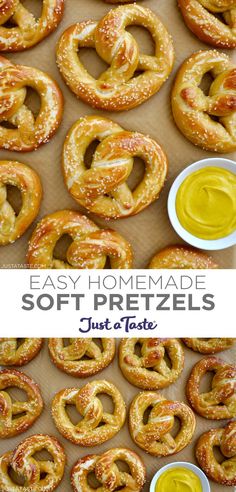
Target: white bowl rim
[(184, 464), (215, 244)]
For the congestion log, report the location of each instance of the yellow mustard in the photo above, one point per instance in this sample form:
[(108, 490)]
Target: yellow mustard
[(206, 203), (178, 480)]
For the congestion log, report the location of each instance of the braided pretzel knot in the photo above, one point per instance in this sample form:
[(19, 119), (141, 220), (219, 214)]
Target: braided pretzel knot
[(13, 355), (26, 31), (30, 131), (184, 257), (150, 370), (193, 110), (13, 173), (103, 189), (22, 461), (225, 439), (90, 247), (107, 473), (220, 401), (11, 422), (201, 16), (209, 345), (70, 358), (88, 432), (155, 436), (116, 89)]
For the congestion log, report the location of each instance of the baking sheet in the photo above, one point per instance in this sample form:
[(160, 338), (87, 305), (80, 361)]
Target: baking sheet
[(51, 380), (150, 230)]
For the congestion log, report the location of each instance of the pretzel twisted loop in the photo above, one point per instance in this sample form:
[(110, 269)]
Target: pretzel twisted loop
[(117, 88), (23, 463), (12, 354), (11, 420), (184, 257), (88, 432), (225, 439), (103, 188), (208, 121), (29, 131), (150, 370), (107, 472), (26, 30), (220, 401), (209, 345), (155, 435)]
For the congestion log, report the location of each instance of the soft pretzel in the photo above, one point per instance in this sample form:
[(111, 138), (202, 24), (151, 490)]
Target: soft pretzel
[(177, 257), (30, 131), (88, 432), (90, 247), (208, 121), (24, 178), (14, 354), (209, 345), (117, 88), (39, 475), (150, 370), (107, 473), (202, 17), (27, 31), (82, 357), (103, 188), (155, 435), (223, 472), (17, 416), (220, 401)]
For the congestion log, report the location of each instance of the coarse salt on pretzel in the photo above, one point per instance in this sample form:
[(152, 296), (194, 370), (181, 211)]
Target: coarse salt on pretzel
[(17, 416), (207, 120), (89, 431), (177, 257), (103, 188), (213, 21), (209, 345), (28, 131), (89, 249), (25, 30), (82, 357), (13, 353), (220, 401), (13, 225), (154, 436), (39, 475), (116, 89), (149, 370), (107, 472), (223, 471)]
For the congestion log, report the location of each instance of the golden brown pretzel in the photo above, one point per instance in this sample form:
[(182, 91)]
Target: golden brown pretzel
[(220, 401), (155, 435), (82, 357), (102, 188), (24, 178), (17, 416), (117, 88), (178, 256), (202, 17), (209, 345), (208, 121), (26, 30), (30, 131), (88, 432), (107, 473), (223, 472), (25, 465), (14, 354), (150, 370), (90, 247)]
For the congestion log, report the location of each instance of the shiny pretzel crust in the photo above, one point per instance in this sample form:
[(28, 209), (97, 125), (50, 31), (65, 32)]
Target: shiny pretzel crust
[(209, 345), (70, 358), (11, 355), (185, 257)]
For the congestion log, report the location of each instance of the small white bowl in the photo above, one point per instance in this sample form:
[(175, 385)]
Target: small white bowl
[(221, 243), (182, 464)]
